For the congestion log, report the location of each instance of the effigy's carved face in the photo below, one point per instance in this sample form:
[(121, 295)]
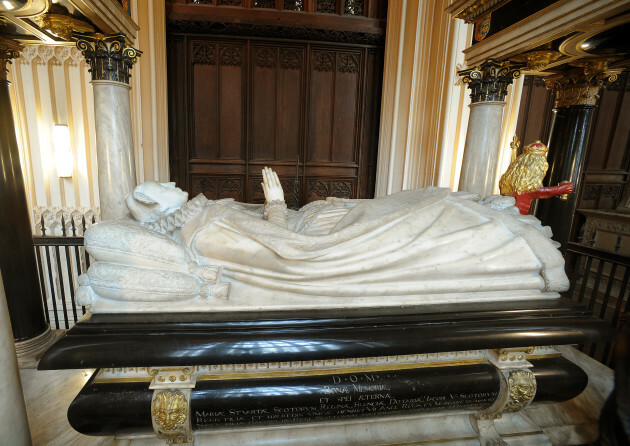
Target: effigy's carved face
[(152, 200), (170, 196)]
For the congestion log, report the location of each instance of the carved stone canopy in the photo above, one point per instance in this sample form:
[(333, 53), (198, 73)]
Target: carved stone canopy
[(109, 57), (490, 80)]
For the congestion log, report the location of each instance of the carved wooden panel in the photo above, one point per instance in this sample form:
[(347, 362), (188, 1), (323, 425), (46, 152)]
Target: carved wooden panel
[(320, 188), (217, 187), (353, 7), (334, 105), (534, 115), (265, 4), (218, 99), (326, 6), (277, 102), (294, 5), (309, 110)]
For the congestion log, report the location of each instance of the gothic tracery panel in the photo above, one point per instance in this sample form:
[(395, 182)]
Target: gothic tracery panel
[(218, 187)]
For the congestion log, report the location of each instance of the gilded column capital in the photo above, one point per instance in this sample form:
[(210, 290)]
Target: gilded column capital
[(582, 86), (489, 81), (109, 57), (9, 49)]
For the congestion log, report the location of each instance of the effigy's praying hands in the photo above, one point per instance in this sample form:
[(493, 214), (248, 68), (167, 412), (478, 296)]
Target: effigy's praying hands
[(271, 186)]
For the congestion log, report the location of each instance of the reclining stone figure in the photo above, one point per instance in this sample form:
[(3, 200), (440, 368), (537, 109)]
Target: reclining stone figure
[(427, 246)]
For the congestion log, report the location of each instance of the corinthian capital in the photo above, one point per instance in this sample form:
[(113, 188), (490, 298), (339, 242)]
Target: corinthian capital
[(582, 86), (108, 56), (8, 50), (490, 80)]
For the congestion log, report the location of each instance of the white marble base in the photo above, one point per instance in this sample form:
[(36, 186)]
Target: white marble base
[(576, 421), (481, 150), (29, 352), (313, 302), (445, 429)]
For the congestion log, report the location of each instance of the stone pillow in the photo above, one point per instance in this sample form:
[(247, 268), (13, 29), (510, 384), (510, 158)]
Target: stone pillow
[(128, 283), (129, 243)]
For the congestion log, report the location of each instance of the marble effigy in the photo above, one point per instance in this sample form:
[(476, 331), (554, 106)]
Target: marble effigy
[(428, 246)]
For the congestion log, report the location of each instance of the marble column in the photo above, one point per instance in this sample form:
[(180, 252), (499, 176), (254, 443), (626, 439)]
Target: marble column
[(17, 254), (14, 428), (576, 99), (488, 84), (110, 61)]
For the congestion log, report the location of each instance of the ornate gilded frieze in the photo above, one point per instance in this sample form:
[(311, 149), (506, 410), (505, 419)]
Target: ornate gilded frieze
[(489, 81), (582, 86), (8, 50), (109, 57)]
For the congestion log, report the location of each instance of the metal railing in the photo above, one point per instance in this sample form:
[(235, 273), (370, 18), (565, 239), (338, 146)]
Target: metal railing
[(60, 261), (599, 280)]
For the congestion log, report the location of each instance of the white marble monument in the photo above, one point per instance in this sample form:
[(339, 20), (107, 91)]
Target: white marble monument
[(428, 246)]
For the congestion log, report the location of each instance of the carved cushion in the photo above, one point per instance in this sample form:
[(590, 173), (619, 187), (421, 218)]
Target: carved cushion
[(128, 243), (129, 283)]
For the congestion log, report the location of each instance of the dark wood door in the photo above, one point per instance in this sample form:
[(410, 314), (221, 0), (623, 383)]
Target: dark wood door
[(307, 108)]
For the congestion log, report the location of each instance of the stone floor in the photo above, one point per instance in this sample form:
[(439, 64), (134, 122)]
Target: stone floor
[(48, 395)]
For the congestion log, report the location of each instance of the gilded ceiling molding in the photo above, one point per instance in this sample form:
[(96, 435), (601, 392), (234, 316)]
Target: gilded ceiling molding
[(537, 60), (62, 25), (478, 8), (108, 56), (489, 81), (582, 86), (8, 50)]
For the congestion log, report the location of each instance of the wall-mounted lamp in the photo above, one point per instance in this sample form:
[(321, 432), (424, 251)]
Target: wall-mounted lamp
[(63, 155)]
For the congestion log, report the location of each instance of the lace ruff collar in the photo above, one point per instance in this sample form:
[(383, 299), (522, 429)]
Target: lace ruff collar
[(176, 219)]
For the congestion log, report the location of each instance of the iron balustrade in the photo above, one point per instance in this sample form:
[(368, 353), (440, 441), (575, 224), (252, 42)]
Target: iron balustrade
[(599, 280), (60, 261)]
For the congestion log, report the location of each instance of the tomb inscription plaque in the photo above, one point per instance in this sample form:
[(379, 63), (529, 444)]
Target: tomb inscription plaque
[(330, 397)]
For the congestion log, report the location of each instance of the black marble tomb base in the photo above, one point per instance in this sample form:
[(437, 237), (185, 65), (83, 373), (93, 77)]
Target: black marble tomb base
[(103, 408), (126, 340)]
